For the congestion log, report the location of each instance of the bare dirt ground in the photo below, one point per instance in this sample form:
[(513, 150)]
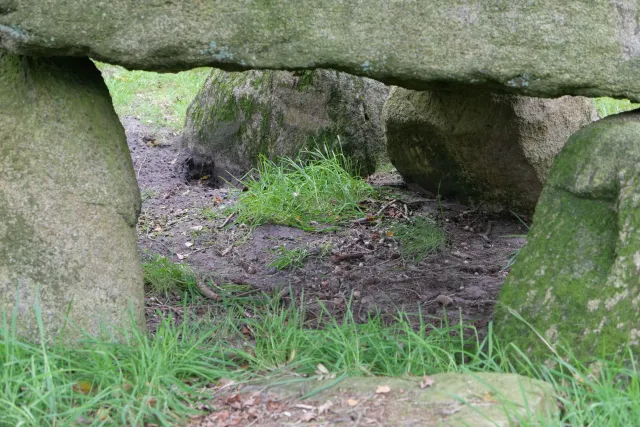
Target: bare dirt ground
[(183, 220)]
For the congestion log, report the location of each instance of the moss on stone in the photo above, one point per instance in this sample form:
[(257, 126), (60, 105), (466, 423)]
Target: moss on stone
[(305, 80), (576, 281)]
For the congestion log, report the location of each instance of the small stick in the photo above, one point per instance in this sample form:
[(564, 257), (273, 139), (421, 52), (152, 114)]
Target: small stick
[(382, 209), (226, 221), (207, 292), (343, 257), (485, 235), (144, 159)]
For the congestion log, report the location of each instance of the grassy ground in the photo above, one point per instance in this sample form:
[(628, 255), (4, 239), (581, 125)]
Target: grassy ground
[(163, 378), (160, 100)]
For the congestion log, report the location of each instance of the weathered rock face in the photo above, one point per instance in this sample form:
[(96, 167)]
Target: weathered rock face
[(479, 146), (69, 200), (577, 281), (455, 400), (540, 47), (238, 116)]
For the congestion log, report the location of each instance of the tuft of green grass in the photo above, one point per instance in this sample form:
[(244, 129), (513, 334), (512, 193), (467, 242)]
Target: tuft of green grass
[(290, 258), (160, 379), (513, 256), (142, 380), (609, 106), (419, 238), (164, 277), (160, 100), (307, 193)]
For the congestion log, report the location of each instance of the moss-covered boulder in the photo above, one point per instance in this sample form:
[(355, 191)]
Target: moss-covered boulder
[(534, 47), (479, 146), (240, 115), (577, 281), (69, 201)]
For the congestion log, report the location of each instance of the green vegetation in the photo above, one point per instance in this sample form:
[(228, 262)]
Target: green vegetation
[(419, 238), (302, 193), (161, 378), (98, 383), (609, 106), (164, 277), (290, 258), (513, 257), (156, 99)]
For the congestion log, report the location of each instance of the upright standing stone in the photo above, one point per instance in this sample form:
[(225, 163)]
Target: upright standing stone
[(69, 200), (577, 281)]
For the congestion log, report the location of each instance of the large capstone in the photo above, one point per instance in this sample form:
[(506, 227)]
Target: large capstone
[(69, 202), (538, 47), (479, 146), (238, 116), (577, 281)]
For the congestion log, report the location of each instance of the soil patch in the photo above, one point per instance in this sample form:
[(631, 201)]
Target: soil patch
[(358, 265)]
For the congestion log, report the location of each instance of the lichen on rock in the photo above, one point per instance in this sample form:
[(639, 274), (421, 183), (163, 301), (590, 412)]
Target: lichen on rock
[(69, 202), (238, 116), (577, 281)]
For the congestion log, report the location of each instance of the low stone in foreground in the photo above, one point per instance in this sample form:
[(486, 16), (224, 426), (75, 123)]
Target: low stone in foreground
[(482, 399)]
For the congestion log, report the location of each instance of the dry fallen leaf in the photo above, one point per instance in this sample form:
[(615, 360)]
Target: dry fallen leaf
[(102, 414), (489, 397), (324, 407), (83, 387), (352, 402), (234, 401), (426, 382), (322, 369), (246, 331), (308, 416), (383, 389)]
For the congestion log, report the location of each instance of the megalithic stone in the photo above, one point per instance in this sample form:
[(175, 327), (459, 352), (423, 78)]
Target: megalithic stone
[(69, 202), (576, 283)]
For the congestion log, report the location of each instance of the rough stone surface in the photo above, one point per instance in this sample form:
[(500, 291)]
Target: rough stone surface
[(482, 399), (577, 281), (479, 146), (237, 116), (537, 47), (69, 200)]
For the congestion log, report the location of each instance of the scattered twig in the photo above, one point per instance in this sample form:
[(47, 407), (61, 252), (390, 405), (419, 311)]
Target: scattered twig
[(485, 235), (207, 292), (226, 221), (144, 159), (345, 257), (365, 220), (383, 208)]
